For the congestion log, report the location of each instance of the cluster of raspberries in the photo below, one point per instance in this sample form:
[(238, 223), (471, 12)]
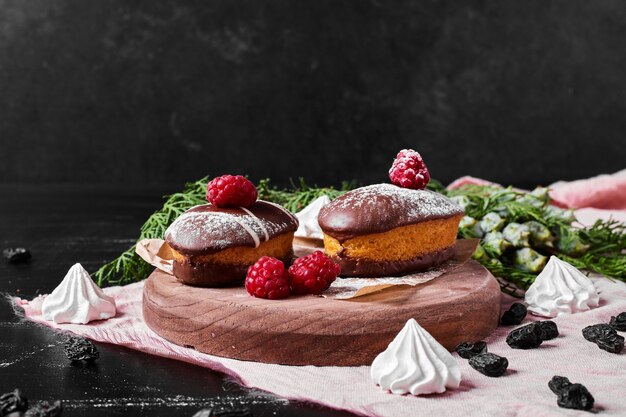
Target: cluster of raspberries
[(314, 273), (267, 278), (311, 274)]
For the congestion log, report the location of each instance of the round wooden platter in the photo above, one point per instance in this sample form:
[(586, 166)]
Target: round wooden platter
[(460, 305)]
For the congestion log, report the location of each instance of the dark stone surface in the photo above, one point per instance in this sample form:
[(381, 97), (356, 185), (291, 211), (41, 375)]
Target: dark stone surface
[(65, 225), (146, 91)]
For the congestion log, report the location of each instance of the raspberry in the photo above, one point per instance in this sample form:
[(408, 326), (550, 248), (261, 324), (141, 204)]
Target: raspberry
[(409, 170), (267, 278), (312, 274), (231, 191)]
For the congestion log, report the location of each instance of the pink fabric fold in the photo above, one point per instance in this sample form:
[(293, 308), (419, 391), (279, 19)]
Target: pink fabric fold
[(606, 192), (602, 197), (522, 392), (469, 180)]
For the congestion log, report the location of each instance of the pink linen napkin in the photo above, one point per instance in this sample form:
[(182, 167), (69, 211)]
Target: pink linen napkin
[(522, 392), (601, 197), (602, 192), (607, 191)]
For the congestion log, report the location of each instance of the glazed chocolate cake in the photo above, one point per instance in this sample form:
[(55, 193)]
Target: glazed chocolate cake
[(383, 229), (214, 246)]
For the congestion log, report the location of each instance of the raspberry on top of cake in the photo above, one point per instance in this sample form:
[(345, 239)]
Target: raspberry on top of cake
[(384, 229)]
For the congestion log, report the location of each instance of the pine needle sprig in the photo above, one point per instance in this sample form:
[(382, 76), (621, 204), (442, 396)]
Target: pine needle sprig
[(607, 243), (176, 204), (129, 267), (599, 248), (605, 236), (300, 194)]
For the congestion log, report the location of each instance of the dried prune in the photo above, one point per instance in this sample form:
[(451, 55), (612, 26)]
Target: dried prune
[(525, 337), (16, 255), (514, 315), (45, 409), (211, 412), (558, 383), (489, 364), (619, 322), (598, 331), (12, 402), (80, 349), (468, 349), (575, 396), (547, 329), (613, 343)]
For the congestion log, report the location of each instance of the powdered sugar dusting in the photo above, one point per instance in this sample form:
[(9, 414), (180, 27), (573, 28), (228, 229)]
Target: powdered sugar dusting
[(205, 228), (255, 237), (258, 221), (414, 203)]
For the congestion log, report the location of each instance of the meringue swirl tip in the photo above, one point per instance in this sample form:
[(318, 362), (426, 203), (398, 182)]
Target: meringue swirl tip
[(561, 289), (77, 299), (415, 363)]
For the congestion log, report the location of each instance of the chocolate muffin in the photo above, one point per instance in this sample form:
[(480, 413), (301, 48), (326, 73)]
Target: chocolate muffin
[(214, 246), (383, 230)]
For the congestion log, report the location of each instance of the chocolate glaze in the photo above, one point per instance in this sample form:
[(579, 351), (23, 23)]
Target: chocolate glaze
[(352, 267), (382, 207), (207, 229), (209, 274)]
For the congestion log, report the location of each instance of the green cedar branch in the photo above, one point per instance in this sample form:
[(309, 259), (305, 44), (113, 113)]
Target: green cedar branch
[(599, 248), (129, 267)]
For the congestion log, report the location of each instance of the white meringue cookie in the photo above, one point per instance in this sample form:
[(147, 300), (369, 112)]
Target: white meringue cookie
[(414, 362), (78, 300), (561, 289), (309, 227)]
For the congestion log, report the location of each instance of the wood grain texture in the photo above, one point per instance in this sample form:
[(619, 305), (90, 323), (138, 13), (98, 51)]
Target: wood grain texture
[(308, 330)]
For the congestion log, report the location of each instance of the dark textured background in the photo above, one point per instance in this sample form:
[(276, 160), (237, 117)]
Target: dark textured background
[(116, 91), (166, 91)]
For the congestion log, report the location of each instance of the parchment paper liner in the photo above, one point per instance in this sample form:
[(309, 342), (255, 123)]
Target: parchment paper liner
[(158, 254)]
